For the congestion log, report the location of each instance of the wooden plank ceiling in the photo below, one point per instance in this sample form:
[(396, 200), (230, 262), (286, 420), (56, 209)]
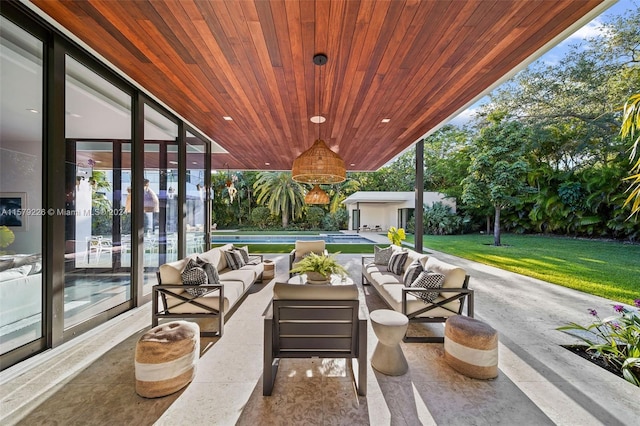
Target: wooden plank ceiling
[(413, 62)]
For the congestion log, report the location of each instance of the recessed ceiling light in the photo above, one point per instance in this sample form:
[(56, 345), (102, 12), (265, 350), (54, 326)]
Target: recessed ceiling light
[(267, 164), (173, 162), (227, 118), (352, 164), (385, 120), (318, 119), (35, 111), (194, 162)]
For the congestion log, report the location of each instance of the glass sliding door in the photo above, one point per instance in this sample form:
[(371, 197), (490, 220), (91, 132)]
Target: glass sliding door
[(197, 183), (98, 146), (21, 187), (160, 183)]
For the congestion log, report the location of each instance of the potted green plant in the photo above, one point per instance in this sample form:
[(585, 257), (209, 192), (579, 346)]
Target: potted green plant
[(319, 268)]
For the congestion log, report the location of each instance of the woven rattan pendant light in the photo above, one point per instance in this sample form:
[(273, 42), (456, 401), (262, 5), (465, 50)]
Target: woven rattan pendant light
[(316, 196), (319, 164)]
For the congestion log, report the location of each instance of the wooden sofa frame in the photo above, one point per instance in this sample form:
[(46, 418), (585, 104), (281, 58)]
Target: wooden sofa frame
[(315, 329), (463, 294)]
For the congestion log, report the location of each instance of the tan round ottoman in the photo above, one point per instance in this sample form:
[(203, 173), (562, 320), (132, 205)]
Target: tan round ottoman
[(269, 269), (390, 327), (471, 347), (166, 358)]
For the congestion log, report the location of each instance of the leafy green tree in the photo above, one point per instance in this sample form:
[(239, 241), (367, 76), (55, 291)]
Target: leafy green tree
[(397, 176), (498, 170), (280, 194), (446, 160)]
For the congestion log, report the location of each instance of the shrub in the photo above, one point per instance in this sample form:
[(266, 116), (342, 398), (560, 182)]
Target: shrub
[(260, 216), (615, 339), (315, 215)]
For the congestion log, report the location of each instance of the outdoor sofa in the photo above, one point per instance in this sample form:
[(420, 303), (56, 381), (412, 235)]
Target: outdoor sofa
[(172, 298), (398, 294)]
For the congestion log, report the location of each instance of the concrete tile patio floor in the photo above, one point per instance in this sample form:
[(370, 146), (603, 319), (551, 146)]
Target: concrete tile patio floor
[(91, 379)]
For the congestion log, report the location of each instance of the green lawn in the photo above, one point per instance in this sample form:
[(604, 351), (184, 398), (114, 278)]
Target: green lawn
[(607, 269)]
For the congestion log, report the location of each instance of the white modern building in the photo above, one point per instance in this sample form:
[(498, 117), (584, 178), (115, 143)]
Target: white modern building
[(379, 210)]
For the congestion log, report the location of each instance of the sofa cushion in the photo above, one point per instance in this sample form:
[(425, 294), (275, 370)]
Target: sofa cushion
[(234, 258), (171, 273), (396, 262), (19, 272), (429, 280), (412, 272), (304, 247), (381, 255), (314, 292), (453, 276), (245, 276)]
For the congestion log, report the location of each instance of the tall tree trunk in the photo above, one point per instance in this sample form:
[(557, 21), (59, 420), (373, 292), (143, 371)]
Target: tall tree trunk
[(488, 224), (285, 218), (496, 227)]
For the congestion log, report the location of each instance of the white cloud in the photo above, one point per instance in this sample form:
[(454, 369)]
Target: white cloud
[(464, 117), (592, 29)]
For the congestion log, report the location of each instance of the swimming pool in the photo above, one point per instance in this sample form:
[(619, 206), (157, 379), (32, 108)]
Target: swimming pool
[(289, 239)]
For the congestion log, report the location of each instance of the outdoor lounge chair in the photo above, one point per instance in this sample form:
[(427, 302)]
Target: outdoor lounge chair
[(302, 248), (315, 321)]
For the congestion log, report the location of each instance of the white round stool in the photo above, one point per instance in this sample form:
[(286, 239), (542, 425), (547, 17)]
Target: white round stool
[(390, 327)]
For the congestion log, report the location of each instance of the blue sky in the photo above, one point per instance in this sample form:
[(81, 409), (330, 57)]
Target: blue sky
[(555, 54)]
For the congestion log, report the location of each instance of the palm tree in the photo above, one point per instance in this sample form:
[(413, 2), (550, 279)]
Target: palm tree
[(340, 192), (630, 127), (280, 194)]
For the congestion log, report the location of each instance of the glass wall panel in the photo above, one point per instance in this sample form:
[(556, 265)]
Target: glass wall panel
[(196, 195), (21, 214), (98, 133), (160, 180)]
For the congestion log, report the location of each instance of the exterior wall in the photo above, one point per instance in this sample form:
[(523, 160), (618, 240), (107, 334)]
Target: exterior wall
[(385, 214)]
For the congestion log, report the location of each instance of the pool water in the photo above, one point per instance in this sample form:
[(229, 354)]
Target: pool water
[(285, 239)]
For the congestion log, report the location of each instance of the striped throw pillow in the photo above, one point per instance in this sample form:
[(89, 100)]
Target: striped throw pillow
[(244, 251), (212, 272), (396, 262), (234, 259), (412, 273)]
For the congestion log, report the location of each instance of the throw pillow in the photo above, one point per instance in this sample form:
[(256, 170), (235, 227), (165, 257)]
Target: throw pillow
[(234, 259), (431, 280), (212, 272), (244, 251), (412, 273), (194, 275), (6, 264), (396, 262), (381, 255)]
